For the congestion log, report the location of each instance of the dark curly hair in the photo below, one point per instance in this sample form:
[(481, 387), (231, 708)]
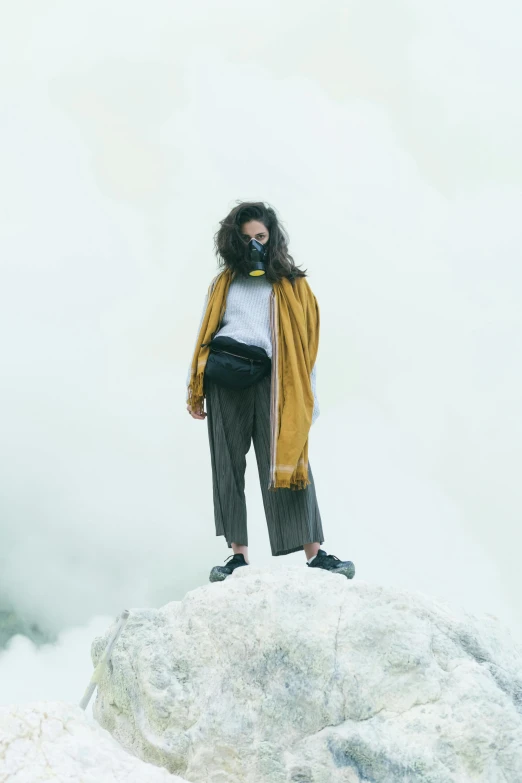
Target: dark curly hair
[(231, 249)]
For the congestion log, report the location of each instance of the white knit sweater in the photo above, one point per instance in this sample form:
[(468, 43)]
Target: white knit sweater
[(247, 319)]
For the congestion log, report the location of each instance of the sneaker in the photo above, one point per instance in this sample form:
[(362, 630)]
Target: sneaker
[(333, 564), (219, 573)]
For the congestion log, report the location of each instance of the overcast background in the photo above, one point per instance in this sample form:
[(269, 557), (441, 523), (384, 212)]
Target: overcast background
[(387, 137)]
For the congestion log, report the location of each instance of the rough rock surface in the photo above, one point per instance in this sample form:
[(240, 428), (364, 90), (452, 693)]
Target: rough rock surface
[(301, 676), (56, 741)]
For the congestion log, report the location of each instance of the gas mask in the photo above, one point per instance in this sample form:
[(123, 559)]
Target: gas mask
[(256, 254)]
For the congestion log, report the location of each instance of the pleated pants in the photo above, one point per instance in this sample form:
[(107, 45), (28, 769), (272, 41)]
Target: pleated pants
[(235, 418)]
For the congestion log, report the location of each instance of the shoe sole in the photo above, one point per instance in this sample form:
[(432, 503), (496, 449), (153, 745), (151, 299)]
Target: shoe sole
[(347, 569), (217, 575)]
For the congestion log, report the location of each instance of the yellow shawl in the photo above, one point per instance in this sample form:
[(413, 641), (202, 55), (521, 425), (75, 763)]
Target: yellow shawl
[(294, 321)]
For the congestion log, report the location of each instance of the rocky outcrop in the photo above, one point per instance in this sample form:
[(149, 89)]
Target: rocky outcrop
[(13, 624), (56, 741), (302, 676)]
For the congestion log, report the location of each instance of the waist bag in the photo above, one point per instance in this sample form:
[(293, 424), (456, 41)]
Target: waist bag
[(235, 365)]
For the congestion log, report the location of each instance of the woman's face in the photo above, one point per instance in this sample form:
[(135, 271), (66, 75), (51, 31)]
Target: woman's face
[(256, 230)]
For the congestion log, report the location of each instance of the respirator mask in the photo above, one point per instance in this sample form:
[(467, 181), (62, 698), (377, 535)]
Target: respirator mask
[(256, 254)]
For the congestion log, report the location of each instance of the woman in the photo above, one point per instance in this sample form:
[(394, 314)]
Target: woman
[(261, 305)]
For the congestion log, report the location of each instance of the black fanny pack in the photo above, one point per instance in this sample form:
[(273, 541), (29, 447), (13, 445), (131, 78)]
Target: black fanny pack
[(235, 365)]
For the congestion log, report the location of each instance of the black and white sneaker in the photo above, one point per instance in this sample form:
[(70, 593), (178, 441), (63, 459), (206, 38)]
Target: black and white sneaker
[(219, 573), (333, 564)]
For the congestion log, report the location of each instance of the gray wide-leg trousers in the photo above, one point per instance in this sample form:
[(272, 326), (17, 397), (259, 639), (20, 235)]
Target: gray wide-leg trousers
[(236, 417)]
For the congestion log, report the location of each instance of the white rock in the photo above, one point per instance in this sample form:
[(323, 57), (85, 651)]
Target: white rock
[(296, 675), (56, 741)]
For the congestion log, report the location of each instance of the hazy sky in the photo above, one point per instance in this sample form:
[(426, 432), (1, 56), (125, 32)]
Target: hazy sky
[(387, 137)]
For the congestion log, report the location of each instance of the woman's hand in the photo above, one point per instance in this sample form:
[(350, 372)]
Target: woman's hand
[(197, 414)]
